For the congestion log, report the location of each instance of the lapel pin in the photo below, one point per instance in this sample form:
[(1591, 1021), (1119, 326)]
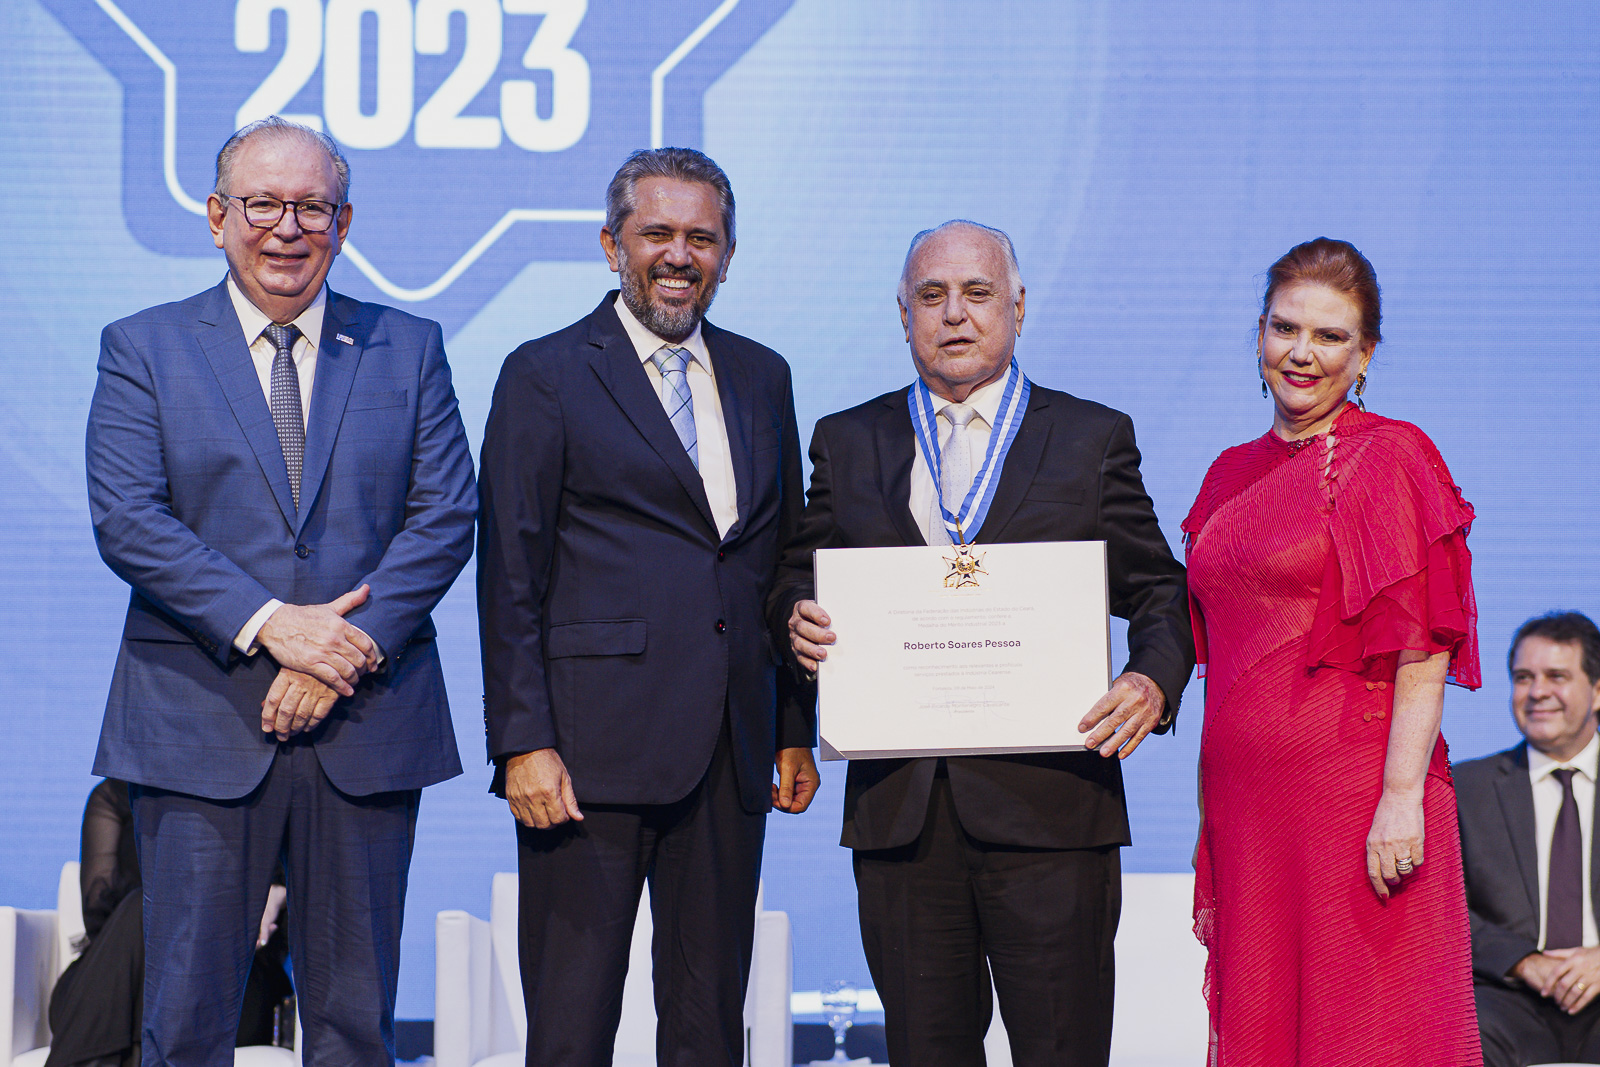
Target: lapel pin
[(342, 337)]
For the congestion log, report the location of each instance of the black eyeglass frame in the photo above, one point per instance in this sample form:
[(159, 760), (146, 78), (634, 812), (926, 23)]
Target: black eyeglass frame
[(283, 207)]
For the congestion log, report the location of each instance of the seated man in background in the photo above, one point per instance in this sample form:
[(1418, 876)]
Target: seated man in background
[(1527, 841)]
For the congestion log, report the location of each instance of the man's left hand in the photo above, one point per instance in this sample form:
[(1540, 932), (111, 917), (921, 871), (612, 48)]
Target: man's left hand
[(295, 703), (1576, 980), (797, 780), (1121, 719)]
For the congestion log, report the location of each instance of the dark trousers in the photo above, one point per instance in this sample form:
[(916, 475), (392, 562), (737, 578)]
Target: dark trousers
[(206, 866), (939, 915), (1519, 1027), (579, 896)]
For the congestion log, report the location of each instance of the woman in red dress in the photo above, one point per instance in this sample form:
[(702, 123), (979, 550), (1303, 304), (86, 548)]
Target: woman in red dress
[(1332, 594)]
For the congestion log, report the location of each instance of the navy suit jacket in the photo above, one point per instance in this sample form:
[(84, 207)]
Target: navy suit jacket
[(1500, 859), (191, 504), (1072, 475), (617, 626)]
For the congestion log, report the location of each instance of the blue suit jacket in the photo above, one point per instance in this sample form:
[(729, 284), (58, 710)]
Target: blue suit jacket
[(616, 625), (191, 505)]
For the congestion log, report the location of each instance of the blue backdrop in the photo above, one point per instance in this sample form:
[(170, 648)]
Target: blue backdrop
[(1150, 161)]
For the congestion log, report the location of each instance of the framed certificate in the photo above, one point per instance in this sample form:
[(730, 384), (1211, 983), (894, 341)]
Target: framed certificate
[(962, 650)]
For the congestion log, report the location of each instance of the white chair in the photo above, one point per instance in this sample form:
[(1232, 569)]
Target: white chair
[(27, 972), (69, 916), (35, 947), (478, 1012)]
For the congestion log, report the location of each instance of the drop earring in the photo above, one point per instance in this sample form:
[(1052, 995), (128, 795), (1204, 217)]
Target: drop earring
[(1263, 389), (1261, 370), (1361, 387)]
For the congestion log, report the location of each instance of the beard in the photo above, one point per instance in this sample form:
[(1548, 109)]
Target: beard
[(669, 323)]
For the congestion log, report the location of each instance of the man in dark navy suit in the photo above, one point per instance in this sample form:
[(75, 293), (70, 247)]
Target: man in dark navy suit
[(641, 470), (1528, 854), (281, 475), (979, 865)]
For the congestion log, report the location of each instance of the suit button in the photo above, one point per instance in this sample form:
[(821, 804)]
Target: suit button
[(302, 551), (722, 627), (721, 555)]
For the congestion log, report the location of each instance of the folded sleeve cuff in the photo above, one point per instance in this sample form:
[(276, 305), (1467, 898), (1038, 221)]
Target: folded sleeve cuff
[(245, 639), (382, 657)]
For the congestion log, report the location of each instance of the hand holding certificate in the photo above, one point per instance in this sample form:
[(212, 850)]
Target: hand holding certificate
[(962, 650)]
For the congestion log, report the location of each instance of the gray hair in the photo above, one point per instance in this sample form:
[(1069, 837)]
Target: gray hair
[(1013, 272), (680, 164), (276, 126)]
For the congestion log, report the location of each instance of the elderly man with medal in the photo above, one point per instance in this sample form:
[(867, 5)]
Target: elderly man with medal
[(1002, 864)]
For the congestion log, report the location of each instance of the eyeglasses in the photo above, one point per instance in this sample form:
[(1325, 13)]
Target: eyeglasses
[(265, 212)]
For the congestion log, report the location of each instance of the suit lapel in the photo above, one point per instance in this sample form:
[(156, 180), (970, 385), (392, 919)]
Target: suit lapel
[(738, 414), (1516, 804), (617, 364), (330, 391), (222, 339), (896, 451), (1022, 463)]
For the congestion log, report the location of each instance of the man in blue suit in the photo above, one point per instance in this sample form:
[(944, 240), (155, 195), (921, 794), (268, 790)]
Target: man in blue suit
[(641, 472), (281, 475)]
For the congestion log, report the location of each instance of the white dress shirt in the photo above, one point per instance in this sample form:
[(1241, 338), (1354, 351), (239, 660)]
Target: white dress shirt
[(262, 353), (986, 402), (1547, 805), (716, 461)]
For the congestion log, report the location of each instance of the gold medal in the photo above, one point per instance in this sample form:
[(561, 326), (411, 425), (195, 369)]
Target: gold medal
[(964, 567)]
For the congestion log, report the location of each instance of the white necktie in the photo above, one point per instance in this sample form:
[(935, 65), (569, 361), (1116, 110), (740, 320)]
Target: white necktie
[(955, 463)]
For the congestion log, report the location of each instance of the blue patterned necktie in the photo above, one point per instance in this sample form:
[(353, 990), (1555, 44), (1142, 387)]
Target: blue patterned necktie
[(285, 403), (673, 363)]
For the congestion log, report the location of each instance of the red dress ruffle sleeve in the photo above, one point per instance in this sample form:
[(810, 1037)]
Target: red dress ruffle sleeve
[(1400, 574)]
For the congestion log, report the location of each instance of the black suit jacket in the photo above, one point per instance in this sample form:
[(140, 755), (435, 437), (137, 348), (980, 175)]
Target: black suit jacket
[(1500, 858), (1072, 475), (616, 625)]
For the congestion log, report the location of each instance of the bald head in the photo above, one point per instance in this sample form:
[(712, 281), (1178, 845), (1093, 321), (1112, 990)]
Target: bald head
[(973, 230), (961, 303), (275, 128)]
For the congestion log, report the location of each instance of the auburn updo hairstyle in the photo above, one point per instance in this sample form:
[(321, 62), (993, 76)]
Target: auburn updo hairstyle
[(1340, 266)]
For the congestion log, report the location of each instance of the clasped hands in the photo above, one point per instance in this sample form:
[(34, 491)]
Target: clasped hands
[(1568, 976), (320, 658), (540, 793), (1115, 725)]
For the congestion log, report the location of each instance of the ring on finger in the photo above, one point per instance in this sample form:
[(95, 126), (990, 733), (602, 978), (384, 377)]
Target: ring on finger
[(1404, 866)]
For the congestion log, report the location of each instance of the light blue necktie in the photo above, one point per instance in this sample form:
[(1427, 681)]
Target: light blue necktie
[(673, 363), (955, 461)]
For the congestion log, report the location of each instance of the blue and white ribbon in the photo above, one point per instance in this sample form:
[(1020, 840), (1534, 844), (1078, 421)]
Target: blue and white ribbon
[(975, 508)]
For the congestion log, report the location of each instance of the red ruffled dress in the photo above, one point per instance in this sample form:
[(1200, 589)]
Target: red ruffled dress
[(1311, 566)]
